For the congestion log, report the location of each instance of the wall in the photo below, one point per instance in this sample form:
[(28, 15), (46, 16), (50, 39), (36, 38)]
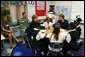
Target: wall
[(77, 8), (13, 11), (16, 11), (30, 9)]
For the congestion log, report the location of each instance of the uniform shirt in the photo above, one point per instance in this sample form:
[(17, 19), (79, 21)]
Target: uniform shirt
[(79, 30), (24, 23), (64, 25), (47, 24), (40, 35), (54, 21), (74, 37), (62, 37)]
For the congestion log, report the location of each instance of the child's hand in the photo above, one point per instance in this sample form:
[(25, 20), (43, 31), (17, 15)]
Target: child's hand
[(46, 28)]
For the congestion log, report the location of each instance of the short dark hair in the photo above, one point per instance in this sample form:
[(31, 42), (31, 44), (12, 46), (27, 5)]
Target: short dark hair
[(23, 13), (77, 21), (72, 25), (61, 15)]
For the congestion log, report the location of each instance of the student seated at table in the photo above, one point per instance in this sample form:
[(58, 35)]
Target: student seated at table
[(63, 22), (57, 38), (54, 38), (6, 29), (48, 23), (74, 35), (42, 42), (77, 22)]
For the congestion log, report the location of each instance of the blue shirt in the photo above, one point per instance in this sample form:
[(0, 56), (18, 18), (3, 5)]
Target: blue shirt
[(64, 24)]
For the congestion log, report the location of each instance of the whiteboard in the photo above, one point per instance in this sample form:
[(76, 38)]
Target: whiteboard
[(77, 9)]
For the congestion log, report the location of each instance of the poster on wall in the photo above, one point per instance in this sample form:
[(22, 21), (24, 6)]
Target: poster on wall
[(63, 9), (40, 8)]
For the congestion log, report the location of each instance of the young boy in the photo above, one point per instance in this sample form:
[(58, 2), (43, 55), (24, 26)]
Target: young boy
[(48, 23), (74, 37), (77, 22)]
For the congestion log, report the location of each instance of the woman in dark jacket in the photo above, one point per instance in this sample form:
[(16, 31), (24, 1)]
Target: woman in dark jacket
[(30, 30)]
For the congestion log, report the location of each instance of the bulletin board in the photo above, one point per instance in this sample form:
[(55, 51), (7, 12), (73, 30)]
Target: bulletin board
[(40, 8)]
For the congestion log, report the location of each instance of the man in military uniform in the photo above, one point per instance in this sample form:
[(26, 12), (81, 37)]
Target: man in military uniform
[(23, 23)]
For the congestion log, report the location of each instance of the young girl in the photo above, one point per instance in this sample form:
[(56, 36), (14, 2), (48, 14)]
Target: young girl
[(47, 24), (77, 22), (57, 38)]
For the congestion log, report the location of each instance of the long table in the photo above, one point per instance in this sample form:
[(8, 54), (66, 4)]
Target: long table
[(51, 30)]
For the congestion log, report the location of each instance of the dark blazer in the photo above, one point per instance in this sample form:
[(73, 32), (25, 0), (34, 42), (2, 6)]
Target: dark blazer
[(30, 30), (64, 25)]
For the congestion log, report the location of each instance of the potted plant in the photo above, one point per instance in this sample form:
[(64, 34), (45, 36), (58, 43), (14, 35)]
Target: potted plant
[(6, 12)]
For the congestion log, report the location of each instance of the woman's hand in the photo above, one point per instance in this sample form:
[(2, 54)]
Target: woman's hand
[(9, 31)]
